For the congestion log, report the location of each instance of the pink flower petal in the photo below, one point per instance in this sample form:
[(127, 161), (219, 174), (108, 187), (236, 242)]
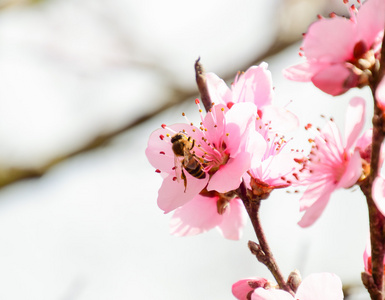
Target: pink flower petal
[(229, 176), (352, 172), (281, 119), (366, 255), (304, 72), (320, 286), (197, 216), (172, 195), (242, 288), (318, 196), (215, 124), (378, 193), (333, 80), (271, 294), (233, 220), (370, 21), (255, 85), (218, 89), (380, 94), (354, 121), (239, 120), (330, 40)]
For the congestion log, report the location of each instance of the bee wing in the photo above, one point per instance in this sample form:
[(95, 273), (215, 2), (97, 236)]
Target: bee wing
[(178, 168)]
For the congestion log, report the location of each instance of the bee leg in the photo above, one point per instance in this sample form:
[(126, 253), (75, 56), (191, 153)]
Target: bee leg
[(184, 180), (193, 143)]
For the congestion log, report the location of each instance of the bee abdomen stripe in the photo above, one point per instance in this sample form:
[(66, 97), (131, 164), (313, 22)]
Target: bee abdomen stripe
[(197, 172)]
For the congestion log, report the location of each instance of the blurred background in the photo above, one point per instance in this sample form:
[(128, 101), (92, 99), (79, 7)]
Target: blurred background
[(83, 83)]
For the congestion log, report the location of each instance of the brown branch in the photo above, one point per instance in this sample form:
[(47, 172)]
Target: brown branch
[(262, 250), (376, 219)]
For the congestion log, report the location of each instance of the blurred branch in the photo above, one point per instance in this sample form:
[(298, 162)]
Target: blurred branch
[(282, 41), (4, 4)]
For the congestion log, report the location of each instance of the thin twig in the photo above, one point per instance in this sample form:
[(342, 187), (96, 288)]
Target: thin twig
[(262, 250)]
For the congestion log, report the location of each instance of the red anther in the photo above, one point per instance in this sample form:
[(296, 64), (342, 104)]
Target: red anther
[(173, 168), (359, 1), (163, 126), (283, 178), (346, 1), (296, 176), (311, 140), (161, 137), (162, 152), (319, 17), (157, 171), (304, 34), (183, 114), (230, 105), (197, 101), (174, 178), (301, 48), (308, 126), (353, 7), (300, 54), (332, 15)]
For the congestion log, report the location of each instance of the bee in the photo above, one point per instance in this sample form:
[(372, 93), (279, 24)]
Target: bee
[(182, 146)]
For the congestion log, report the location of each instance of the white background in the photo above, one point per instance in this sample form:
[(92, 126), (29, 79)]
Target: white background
[(90, 227)]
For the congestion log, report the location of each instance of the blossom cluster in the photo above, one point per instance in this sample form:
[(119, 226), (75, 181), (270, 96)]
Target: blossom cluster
[(241, 150)]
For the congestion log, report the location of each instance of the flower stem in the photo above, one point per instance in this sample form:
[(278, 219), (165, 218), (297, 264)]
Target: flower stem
[(262, 250)]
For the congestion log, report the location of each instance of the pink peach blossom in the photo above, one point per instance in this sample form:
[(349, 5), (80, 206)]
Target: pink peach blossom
[(224, 145), (278, 168), (246, 286), (334, 163), (342, 53), (256, 86), (317, 286)]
